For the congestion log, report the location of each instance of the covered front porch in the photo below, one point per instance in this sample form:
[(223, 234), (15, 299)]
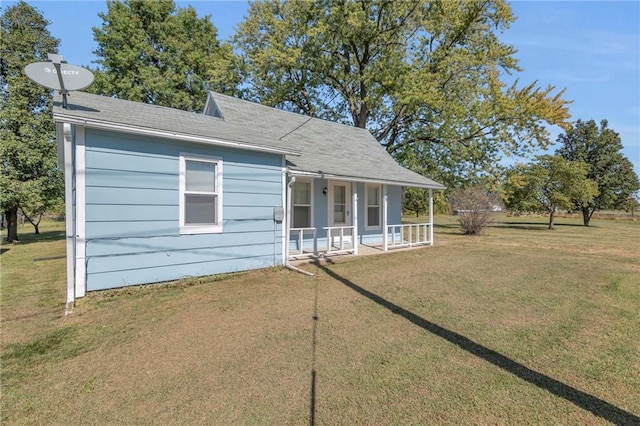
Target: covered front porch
[(337, 216), (407, 236)]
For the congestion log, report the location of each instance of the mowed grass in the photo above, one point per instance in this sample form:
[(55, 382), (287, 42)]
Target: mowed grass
[(520, 326)]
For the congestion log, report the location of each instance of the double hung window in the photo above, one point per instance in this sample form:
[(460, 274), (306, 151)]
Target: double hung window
[(373, 203), (302, 204), (200, 194)]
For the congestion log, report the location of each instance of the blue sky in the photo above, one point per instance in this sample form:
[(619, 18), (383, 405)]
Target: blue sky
[(591, 48)]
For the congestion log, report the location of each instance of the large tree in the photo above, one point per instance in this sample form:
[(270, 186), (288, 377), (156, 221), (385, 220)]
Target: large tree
[(153, 52), (425, 77), (548, 184), (30, 179), (600, 148)]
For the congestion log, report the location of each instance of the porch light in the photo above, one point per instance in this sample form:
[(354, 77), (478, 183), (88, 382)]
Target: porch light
[(324, 191)]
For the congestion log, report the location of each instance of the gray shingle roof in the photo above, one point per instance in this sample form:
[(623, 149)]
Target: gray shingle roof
[(327, 147), (85, 106), (312, 145)]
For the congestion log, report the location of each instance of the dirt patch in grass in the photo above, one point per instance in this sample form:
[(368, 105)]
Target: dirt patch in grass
[(516, 327)]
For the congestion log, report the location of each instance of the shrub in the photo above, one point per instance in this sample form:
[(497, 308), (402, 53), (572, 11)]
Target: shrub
[(474, 208)]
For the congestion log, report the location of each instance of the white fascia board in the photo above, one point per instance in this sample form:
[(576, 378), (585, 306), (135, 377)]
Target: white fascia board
[(329, 176), (145, 131)]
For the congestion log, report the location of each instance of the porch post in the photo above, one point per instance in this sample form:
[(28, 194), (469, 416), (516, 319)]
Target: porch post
[(430, 216), (355, 220), (287, 224), (385, 236)]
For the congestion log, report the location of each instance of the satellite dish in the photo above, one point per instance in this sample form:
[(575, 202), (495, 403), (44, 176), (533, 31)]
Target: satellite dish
[(57, 75), (46, 74)]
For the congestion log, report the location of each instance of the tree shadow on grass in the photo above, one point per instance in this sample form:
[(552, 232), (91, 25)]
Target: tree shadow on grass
[(29, 238), (446, 226), (535, 226), (583, 400)]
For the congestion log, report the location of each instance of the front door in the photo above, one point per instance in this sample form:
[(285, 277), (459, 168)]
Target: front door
[(340, 208)]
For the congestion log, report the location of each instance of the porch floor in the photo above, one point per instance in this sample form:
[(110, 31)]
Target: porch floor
[(363, 250)]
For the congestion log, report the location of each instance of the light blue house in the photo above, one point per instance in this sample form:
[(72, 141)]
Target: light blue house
[(156, 194)]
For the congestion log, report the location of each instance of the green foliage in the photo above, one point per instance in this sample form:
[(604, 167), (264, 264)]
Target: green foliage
[(153, 52), (600, 149), (423, 77), (30, 178), (548, 184), (415, 200)]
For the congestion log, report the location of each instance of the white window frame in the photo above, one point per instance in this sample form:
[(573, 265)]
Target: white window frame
[(310, 205), (366, 206), (200, 229)]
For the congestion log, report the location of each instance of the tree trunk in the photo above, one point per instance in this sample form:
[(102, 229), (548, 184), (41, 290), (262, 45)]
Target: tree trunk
[(35, 224), (12, 225), (586, 216), (551, 216)]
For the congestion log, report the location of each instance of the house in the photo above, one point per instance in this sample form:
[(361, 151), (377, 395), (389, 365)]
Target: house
[(156, 194)]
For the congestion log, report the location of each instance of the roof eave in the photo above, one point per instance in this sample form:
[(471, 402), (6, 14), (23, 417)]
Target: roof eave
[(332, 176), (145, 131)]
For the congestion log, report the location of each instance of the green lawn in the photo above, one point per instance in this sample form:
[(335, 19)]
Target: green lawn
[(520, 326)]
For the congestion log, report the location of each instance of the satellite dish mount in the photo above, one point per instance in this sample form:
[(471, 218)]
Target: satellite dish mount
[(57, 61), (61, 77)]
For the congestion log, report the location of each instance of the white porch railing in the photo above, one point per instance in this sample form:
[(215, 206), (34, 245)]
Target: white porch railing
[(300, 238), (408, 235), (345, 239)]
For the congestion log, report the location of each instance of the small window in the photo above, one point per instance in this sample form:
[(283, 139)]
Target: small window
[(200, 195), (302, 197), (373, 207)]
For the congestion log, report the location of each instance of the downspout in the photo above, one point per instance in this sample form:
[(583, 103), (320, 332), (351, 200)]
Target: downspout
[(292, 180)]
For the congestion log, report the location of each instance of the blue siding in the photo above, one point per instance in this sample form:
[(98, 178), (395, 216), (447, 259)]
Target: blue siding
[(320, 207), (133, 212), (101, 264), (114, 247), (394, 199), (131, 179), (170, 271), (244, 199), (100, 195), (132, 217)]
